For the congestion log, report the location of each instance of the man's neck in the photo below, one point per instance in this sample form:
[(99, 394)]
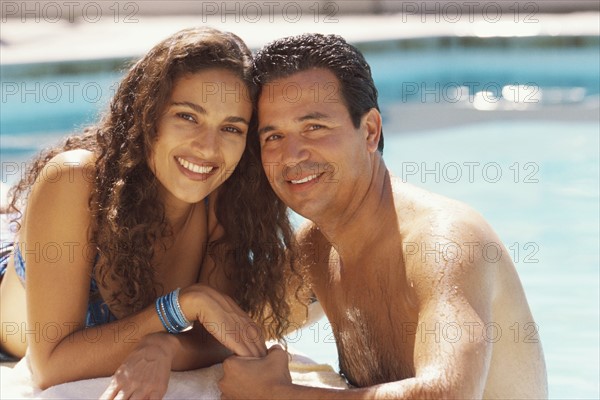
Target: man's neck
[(363, 220)]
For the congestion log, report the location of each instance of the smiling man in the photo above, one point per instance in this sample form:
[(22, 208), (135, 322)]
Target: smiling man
[(417, 309)]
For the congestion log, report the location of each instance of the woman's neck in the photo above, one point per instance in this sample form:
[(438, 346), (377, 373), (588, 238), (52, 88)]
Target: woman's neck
[(177, 212)]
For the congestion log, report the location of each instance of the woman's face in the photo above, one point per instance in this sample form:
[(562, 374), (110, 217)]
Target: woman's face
[(201, 134)]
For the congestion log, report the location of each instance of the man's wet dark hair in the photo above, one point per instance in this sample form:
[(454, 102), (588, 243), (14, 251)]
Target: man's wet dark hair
[(287, 56)]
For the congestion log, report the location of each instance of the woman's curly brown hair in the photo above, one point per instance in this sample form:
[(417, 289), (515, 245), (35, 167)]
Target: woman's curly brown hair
[(128, 216)]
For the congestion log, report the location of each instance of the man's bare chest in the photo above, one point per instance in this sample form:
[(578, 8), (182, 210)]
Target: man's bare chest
[(373, 323)]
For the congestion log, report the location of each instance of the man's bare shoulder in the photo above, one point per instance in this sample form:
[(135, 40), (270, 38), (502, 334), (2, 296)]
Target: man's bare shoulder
[(429, 216), (445, 238)]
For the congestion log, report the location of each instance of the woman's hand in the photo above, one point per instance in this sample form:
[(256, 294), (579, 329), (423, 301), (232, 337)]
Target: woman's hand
[(145, 372), (223, 319)]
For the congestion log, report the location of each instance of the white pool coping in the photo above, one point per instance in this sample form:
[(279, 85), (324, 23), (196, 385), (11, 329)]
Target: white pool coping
[(56, 41)]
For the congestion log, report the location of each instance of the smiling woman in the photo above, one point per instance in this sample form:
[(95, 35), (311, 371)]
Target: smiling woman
[(132, 207), (201, 143)]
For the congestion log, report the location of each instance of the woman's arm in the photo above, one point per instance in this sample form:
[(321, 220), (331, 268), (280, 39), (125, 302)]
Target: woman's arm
[(146, 371), (55, 246)]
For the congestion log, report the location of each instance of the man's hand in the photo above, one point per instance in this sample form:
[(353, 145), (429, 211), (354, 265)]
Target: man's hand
[(256, 378)]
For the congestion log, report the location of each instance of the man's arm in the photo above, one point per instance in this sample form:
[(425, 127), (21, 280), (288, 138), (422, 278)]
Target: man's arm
[(451, 358)]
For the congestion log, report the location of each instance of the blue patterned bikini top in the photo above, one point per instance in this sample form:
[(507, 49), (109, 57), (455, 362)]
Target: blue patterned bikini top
[(98, 312)]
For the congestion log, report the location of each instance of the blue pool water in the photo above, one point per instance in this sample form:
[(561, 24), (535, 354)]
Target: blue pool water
[(37, 109), (535, 180)]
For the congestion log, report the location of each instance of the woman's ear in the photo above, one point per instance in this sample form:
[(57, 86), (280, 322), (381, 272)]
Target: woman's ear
[(372, 121)]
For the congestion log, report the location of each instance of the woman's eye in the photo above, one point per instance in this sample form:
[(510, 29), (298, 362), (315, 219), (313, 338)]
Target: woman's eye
[(186, 116), (233, 129)]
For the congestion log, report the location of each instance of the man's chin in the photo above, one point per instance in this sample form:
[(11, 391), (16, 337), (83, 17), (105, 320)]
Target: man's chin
[(305, 210)]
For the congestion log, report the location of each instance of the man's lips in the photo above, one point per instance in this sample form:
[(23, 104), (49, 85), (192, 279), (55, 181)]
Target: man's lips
[(306, 179)]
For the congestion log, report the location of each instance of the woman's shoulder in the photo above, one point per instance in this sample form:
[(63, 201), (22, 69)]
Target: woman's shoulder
[(77, 159), (73, 167), (57, 207), (71, 171)]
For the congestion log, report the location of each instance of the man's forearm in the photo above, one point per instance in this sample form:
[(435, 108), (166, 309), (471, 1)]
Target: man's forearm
[(309, 393), (406, 389)]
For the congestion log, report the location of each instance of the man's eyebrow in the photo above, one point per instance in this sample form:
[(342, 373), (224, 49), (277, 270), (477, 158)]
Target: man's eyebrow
[(313, 115), (307, 117), (265, 129)]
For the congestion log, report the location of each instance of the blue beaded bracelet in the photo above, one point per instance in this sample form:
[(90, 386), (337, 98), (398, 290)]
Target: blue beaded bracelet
[(170, 313)]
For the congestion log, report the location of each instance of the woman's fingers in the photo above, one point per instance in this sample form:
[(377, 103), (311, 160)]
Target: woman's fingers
[(144, 373), (238, 335), (252, 340), (111, 391), (252, 336), (229, 324), (121, 395), (146, 393), (115, 391)]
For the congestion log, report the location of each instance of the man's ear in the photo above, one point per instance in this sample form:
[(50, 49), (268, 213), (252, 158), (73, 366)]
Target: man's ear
[(372, 121)]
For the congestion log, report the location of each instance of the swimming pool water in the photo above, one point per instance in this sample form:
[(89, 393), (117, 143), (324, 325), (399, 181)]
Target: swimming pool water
[(37, 108)]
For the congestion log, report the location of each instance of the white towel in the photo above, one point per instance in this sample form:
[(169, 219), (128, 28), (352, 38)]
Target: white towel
[(16, 382)]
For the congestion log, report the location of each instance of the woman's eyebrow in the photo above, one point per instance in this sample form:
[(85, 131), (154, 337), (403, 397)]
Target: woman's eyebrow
[(201, 110), (234, 119), (196, 107)]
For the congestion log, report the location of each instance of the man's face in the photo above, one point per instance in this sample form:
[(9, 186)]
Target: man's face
[(311, 152)]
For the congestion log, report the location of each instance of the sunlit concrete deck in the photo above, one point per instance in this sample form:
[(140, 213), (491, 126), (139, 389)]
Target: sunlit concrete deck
[(46, 40)]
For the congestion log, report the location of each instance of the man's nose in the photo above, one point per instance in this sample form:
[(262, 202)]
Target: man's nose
[(295, 150)]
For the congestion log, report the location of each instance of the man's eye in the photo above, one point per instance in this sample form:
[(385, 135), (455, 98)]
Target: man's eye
[(315, 127), (270, 138)]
